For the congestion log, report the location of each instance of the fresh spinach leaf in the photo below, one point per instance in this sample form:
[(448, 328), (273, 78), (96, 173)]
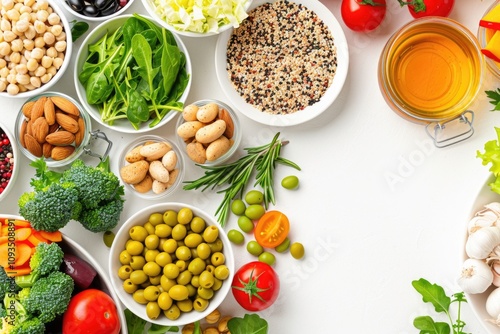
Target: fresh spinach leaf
[(249, 324), (78, 28), (137, 110)]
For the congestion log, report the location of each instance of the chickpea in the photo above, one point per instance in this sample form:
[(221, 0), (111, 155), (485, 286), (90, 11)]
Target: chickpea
[(61, 36), (13, 14), (5, 25), (30, 33), (22, 25), (3, 86), (49, 38), (16, 45), (9, 36), (8, 4), (21, 69), (47, 61), (3, 63), (15, 57), (12, 89), (35, 81), (42, 15), (56, 30), (60, 46), (40, 71), (39, 42), (51, 52), (53, 19), (4, 72), (45, 78), (12, 77), (37, 53), (23, 79), (26, 10), (40, 27)]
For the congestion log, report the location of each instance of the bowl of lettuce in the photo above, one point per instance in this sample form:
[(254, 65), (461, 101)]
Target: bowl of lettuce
[(197, 18)]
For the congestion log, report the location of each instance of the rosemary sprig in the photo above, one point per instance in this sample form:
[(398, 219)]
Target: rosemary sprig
[(262, 159)]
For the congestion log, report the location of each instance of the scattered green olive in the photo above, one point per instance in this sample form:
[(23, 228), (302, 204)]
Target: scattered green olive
[(283, 247), (255, 211), (245, 224), (254, 248), (238, 207), (235, 237), (108, 238), (290, 182), (254, 197), (297, 250), (267, 257)]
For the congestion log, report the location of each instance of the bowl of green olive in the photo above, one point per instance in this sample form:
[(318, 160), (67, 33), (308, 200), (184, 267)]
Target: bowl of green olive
[(171, 264)]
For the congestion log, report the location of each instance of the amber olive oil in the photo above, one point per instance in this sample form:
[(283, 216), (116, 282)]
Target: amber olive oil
[(431, 70)]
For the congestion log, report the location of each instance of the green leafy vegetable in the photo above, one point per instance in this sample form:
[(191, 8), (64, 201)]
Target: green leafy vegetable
[(491, 156), (137, 325), (494, 96), (250, 323), (236, 175), (418, 5), (435, 294), (78, 28)]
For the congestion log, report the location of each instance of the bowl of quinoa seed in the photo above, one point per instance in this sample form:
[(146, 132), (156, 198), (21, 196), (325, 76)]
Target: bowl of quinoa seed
[(285, 64)]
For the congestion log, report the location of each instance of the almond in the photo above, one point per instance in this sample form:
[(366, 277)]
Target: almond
[(37, 110), (40, 129), (65, 105), (29, 127), (60, 138), (226, 117), (49, 111), (62, 152), (32, 145), (26, 108), (66, 122), (47, 149), (22, 131), (81, 132), (53, 128)]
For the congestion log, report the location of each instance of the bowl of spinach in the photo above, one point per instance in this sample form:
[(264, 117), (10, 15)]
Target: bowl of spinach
[(132, 75)]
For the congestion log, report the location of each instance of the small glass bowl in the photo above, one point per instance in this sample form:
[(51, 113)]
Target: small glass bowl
[(87, 135), (235, 140), (150, 194), (12, 160), (483, 35)]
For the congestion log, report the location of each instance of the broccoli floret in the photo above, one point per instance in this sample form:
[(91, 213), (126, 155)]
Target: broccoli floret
[(7, 284), (52, 208), (96, 185), (103, 218), (49, 296), (30, 326), (46, 259)]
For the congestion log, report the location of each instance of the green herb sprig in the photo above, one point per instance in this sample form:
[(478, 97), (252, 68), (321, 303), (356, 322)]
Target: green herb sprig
[(435, 294), (262, 159), (494, 96)]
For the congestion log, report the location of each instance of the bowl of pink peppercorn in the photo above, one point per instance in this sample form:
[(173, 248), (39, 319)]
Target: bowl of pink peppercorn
[(8, 168)]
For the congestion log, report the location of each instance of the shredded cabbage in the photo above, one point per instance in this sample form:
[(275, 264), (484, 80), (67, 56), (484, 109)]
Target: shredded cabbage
[(202, 16)]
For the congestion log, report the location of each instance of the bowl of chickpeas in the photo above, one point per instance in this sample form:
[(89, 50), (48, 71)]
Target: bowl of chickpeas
[(171, 264), (36, 47)]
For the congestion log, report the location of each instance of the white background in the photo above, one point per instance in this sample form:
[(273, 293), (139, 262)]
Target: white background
[(366, 237)]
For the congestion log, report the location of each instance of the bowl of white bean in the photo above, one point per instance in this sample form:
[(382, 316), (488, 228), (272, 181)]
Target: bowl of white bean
[(36, 47)]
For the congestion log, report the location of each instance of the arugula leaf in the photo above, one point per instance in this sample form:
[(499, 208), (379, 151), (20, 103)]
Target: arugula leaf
[(249, 324), (427, 326), (433, 293), (494, 97)]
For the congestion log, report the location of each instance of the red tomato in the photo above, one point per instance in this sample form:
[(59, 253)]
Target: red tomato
[(363, 15), (91, 311), (272, 229), (421, 8), (255, 286)]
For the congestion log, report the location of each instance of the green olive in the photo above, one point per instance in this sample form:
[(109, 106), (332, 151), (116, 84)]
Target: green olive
[(108, 237), (151, 293), (283, 247), (179, 231), (205, 293), (221, 272), (238, 207), (197, 224), (163, 230), (206, 279), (184, 277), (196, 266), (183, 253), (181, 264), (137, 262), (138, 233), (173, 312), (200, 304), (156, 218), (152, 241), (163, 258), (170, 246), (138, 277), (184, 216), (235, 237), (254, 197), (124, 271), (217, 284), (150, 255), (193, 240), (191, 289), (138, 296), (210, 234), (125, 257), (203, 250), (195, 281), (254, 248), (129, 286), (245, 224), (255, 211), (178, 292), (134, 247), (153, 310), (155, 280), (210, 268), (297, 250), (170, 218), (167, 283), (171, 271), (152, 269), (164, 301), (149, 227), (217, 259), (290, 182), (267, 257), (216, 246), (185, 305)]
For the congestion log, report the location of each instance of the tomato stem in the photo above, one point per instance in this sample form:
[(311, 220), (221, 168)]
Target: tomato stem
[(251, 288), (418, 5), (371, 3)]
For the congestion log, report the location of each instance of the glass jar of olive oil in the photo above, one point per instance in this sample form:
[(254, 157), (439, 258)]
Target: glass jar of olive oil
[(430, 71)]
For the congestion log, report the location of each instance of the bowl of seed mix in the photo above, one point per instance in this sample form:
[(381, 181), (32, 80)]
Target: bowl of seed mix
[(285, 64)]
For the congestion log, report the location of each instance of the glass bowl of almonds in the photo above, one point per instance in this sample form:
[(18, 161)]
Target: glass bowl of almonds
[(36, 47), (209, 131), (54, 126)]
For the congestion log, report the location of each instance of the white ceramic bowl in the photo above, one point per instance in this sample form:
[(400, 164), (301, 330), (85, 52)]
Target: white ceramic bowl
[(118, 11), (101, 281), (180, 166), (141, 217), (14, 150), (176, 27), (308, 112), (122, 125), (68, 53), (236, 139)]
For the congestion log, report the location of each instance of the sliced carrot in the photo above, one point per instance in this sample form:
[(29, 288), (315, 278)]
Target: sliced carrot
[(37, 238), (23, 233), (51, 236), (4, 230), (23, 254), (4, 254), (21, 223), (18, 271), (4, 238)]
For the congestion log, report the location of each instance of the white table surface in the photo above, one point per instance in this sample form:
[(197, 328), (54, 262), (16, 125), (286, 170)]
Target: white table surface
[(366, 238)]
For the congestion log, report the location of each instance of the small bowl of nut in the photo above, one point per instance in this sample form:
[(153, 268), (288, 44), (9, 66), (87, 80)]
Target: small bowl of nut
[(36, 47), (209, 131), (54, 126), (151, 167)]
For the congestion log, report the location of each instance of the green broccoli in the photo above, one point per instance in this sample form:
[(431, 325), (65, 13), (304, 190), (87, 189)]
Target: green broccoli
[(18, 320), (7, 284), (49, 296), (46, 259), (51, 208), (103, 218), (30, 326)]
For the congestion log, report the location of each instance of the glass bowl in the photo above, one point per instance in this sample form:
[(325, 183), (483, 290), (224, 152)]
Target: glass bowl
[(233, 140), (148, 188), (484, 35), (9, 169)]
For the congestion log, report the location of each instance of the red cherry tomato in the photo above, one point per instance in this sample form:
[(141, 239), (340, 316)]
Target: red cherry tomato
[(255, 286), (432, 8), (363, 15), (91, 311)]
